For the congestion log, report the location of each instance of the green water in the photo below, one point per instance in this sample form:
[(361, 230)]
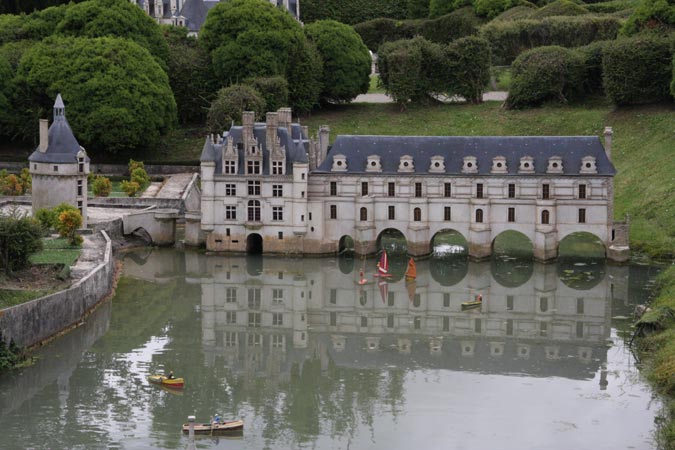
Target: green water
[(310, 359)]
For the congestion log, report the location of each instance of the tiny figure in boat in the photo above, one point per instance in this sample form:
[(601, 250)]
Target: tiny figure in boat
[(479, 298), (170, 376), (216, 419)]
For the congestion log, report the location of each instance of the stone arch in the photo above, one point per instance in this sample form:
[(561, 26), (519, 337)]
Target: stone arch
[(448, 242), (254, 244), (143, 234), (581, 244), (512, 244), (393, 240), (346, 245)]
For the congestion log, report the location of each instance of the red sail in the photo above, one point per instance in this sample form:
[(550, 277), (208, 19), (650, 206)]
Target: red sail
[(411, 273)]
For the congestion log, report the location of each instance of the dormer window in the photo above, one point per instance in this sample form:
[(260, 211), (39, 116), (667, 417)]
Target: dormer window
[(229, 166), (588, 165), (499, 165), (437, 164), (373, 164), (339, 163), (554, 165), (253, 167), (406, 164), (470, 165), (526, 165), (277, 167)]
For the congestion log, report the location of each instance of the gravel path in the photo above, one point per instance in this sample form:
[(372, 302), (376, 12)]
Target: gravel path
[(492, 96)]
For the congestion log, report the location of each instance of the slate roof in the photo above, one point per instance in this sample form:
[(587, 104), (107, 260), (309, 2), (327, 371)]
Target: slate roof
[(63, 147), (195, 12), (454, 148), (296, 147)]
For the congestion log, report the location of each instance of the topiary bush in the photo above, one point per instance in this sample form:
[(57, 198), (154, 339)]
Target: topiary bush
[(469, 66), (492, 8), (517, 13), (140, 176), (638, 70), (101, 187), (445, 29), (559, 8), (46, 217), (545, 74), (376, 32), (352, 11), (130, 188), (651, 15), (68, 223), (592, 57)]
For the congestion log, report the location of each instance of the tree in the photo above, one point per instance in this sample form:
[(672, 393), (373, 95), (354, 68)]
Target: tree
[(230, 103), (418, 9), (657, 15), (102, 186), (68, 223), (346, 60), (469, 60), (20, 236), (273, 90), (118, 97)]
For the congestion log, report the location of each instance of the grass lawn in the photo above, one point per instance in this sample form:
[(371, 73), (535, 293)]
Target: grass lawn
[(10, 297), (56, 251), (116, 190), (374, 88)]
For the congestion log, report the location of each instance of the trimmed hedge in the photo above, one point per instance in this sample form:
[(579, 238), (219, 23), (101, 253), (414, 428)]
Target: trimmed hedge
[(611, 6), (592, 55), (516, 13), (559, 8), (469, 63), (445, 29), (510, 38), (545, 74), (638, 70), (352, 11)]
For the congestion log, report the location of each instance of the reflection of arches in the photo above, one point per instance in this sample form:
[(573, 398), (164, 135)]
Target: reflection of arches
[(448, 242), (346, 263), (511, 273), (392, 240), (581, 244), (346, 245), (513, 244), (581, 275), (142, 234), (254, 264), (254, 244), (448, 271)]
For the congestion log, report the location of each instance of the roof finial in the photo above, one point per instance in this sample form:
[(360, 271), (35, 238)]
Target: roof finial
[(59, 108)]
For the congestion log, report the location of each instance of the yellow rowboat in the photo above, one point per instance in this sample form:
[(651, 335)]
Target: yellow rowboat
[(166, 381), (216, 428)]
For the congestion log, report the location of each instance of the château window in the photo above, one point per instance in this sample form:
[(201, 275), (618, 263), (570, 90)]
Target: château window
[(229, 167), (418, 189), (277, 167), (277, 213), (79, 188), (364, 188), (479, 190), (582, 215), (545, 191), (545, 217), (230, 295), (417, 215), (333, 211), (230, 190), (392, 189), (254, 188), (479, 216), (333, 188), (512, 190), (254, 211), (80, 165), (230, 212), (447, 214), (582, 191), (56, 168), (512, 215), (277, 190), (253, 167), (392, 212), (363, 213), (447, 189), (277, 319)]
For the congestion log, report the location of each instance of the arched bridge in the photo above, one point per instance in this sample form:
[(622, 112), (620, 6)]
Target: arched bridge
[(158, 223)]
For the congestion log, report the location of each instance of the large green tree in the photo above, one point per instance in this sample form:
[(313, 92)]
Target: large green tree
[(651, 15), (252, 38), (346, 60), (27, 6), (118, 97)]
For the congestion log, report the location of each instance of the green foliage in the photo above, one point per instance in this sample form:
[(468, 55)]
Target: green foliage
[(438, 8), (304, 77), (10, 185), (352, 11), (26, 180), (20, 236), (469, 67), (114, 18), (592, 56), (445, 29), (102, 186), (510, 38), (559, 8), (35, 26), (346, 61), (612, 6), (46, 217), (26, 6), (545, 74), (516, 13), (69, 221), (118, 97), (651, 15), (637, 70), (492, 8), (400, 64), (273, 90), (230, 103), (10, 355), (131, 188), (418, 9), (140, 176), (133, 164), (190, 77)]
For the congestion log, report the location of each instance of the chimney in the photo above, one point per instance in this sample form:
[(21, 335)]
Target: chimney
[(286, 119), (44, 135), (271, 130), (247, 120), (608, 142), (324, 132)]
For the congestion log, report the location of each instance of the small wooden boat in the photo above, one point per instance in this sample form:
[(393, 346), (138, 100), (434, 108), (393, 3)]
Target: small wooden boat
[(216, 428), (474, 304), (166, 381)]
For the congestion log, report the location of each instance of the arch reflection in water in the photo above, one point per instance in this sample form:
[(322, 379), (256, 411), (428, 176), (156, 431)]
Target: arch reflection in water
[(530, 321)]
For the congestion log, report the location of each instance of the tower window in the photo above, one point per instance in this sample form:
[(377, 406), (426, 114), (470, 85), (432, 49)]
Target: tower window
[(392, 189), (582, 191), (512, 190), (417, 214), (364, 188), (582, 215), (545, 191), (333, 211), (392, 212), (512, 215), (447, 189), (545, 217), (333, 188), (418, 189), (479, 216), (479, 190)]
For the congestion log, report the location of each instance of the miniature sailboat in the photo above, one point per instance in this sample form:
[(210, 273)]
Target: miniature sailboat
[(383, 266), (411, 273), (384, 289), (362, 278)]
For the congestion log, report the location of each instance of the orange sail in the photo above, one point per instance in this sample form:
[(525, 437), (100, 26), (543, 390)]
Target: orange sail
[(411, 273)]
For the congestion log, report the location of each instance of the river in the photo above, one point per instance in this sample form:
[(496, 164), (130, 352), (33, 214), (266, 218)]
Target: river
[(310, 359)]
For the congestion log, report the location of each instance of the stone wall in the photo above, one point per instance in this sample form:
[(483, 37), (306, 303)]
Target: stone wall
[(113, 169), (32, 322)]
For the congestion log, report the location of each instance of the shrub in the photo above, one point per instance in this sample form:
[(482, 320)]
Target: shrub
[(10, 185), (20, 236), (140, 176), (46, 217), (68, 223), (592, 57), (26, 180), (637, 70), (545, 74), (376, 32), (135, 165), (102, 187), (130, 187), (492, 8), (273, 90), (438, 8), (559, 8), (516, 13), (418, 9), (656, 15), (469, 60), (352, 11), (230, 103)]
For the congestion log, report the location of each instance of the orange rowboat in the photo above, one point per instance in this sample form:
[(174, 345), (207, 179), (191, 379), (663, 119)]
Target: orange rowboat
[(166, 381)]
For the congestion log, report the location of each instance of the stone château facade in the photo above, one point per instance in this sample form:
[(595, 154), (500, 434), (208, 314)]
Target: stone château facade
[(267, 187), (59, 166)]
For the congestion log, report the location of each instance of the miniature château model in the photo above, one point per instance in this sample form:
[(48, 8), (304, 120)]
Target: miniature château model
[(192, 13), (267, 187), (59, 166)]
